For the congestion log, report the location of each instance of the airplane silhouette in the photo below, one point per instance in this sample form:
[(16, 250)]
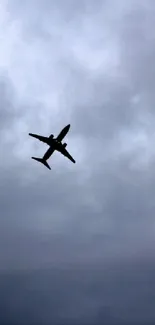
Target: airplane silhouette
[(54, 144)]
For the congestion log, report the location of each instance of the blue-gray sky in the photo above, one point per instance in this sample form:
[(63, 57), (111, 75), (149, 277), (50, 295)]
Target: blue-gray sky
[(77, 242)]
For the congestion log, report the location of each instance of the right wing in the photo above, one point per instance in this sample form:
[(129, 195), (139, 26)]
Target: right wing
[(67, 154), (39, 137)]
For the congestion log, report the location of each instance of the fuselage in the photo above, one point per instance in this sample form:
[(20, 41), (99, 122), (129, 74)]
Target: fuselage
[(56, 144)]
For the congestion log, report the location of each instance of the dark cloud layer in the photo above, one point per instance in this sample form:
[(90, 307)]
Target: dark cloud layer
[(77, 244), (113, 295)]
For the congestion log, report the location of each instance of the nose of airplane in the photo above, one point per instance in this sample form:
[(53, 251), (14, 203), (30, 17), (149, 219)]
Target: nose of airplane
[(68, 127)]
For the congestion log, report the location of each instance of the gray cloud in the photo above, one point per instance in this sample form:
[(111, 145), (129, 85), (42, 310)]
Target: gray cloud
[(90, 65), (86, 296)]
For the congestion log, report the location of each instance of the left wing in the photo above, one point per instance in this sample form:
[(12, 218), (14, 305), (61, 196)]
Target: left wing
[(66, 154), (39, 137)]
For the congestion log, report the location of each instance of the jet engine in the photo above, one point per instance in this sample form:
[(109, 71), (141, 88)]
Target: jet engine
[(51, 136), (64, 145)]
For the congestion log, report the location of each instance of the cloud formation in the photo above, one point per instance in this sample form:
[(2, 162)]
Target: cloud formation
[(91, 65)]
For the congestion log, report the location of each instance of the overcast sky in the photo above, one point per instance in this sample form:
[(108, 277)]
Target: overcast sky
[(77, 242)]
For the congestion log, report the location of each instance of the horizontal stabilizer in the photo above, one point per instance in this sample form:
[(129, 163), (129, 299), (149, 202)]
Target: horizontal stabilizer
[(44, 162)]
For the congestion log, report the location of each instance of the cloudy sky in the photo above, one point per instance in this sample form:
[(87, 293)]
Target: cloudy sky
[(77, 242)]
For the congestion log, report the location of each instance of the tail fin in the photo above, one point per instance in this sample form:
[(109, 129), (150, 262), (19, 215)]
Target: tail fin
[(44, 162)]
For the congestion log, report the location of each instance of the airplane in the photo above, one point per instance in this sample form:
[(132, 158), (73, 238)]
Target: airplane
[(54, 144)]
